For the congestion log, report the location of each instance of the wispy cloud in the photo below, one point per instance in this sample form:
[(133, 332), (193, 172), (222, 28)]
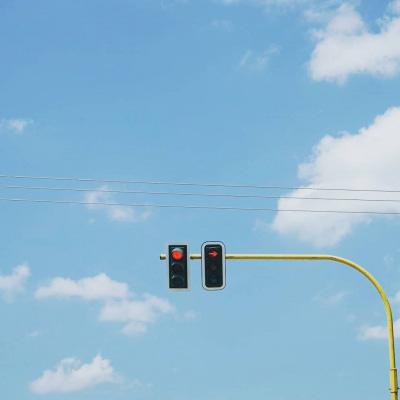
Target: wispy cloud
[(138, 386), (71, 375), (119, 304), (378, 331), (347, 47), (225, 25), (167, 4), (14, 125), (34, 334), (267, 3), (286, 5), (397, 297), (13, 284), (137, 314), (362, 160), (394, 7), (257, 61), (332, 299), (114, 212)]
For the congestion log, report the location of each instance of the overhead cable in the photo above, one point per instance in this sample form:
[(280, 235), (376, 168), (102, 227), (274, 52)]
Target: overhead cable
[(194, 184), (185, 206), (152, 193)]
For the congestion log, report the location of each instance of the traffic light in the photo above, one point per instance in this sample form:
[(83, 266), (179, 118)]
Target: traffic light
[(178, 266), (213, 265)]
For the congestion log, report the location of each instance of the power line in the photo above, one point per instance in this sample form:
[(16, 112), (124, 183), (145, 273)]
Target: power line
[(220, 195), (184, 206), (194, 184)]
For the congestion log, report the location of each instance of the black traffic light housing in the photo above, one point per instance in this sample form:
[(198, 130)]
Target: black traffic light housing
[(178, 266), (213, 265)]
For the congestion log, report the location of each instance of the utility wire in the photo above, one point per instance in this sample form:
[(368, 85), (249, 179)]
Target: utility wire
[(24, 200), (224, 195), (172, 183)]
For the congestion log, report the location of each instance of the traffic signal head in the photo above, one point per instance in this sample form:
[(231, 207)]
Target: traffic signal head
[(178, 266), (213, 265)]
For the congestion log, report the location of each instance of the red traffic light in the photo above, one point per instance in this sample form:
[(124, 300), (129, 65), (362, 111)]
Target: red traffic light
[(177, 254), (213, 265), (178, 266)]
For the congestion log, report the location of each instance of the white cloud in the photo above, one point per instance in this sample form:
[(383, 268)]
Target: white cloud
[(257, 61), (119, 304), (70, 375), (137, 314), (367, 159), (114, 212), (346, 47), (99, 287), (379, 331), (14, 125), (11, 285)]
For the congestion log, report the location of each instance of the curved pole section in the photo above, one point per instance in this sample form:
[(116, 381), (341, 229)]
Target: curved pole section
[(369, 276), (341, 260)]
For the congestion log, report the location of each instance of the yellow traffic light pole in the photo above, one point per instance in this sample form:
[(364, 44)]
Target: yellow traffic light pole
[(341, 260)]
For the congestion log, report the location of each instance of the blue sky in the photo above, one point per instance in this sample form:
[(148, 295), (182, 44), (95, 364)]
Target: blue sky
[(264, 92)]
